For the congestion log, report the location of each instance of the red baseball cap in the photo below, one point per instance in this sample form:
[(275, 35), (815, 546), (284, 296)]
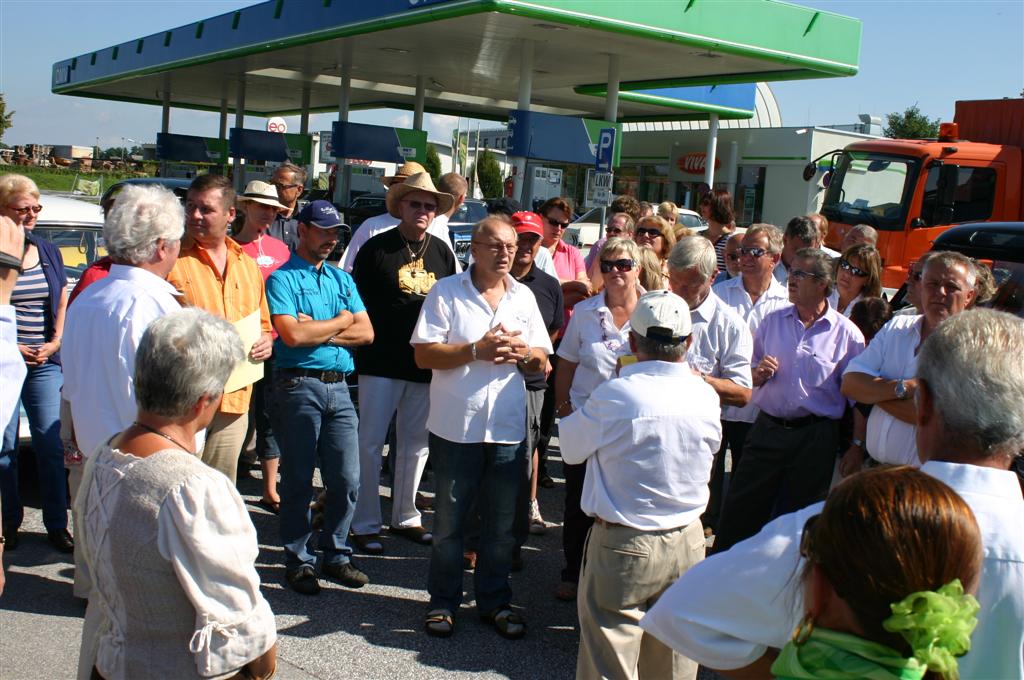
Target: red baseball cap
[(527, 223)]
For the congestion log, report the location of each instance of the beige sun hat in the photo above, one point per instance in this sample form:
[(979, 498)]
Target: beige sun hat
[(419, 182), (408, 169), (261, 192)]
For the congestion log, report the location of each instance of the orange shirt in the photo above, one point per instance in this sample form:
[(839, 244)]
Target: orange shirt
[(233, 296)]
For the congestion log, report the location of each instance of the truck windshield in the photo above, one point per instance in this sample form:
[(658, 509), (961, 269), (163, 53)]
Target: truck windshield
[(871, 189)]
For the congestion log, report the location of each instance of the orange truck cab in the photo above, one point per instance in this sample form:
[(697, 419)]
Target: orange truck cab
[(912, 190)]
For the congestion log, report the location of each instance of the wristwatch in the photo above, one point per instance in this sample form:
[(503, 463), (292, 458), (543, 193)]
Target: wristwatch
[(901, 389), (859, 443)]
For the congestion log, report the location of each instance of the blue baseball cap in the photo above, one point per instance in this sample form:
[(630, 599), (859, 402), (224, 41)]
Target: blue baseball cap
[(320, 214)]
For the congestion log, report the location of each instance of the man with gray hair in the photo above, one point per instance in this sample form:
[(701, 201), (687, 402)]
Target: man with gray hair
[(290, 181), (800, 353), (883, 374), (721, 343), (731, 611), (800, 233), (648, 461), (143, 234), (860, 234)]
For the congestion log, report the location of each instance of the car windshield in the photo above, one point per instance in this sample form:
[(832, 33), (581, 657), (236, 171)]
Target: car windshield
[(79, 247), (871, 189), (470, 211)]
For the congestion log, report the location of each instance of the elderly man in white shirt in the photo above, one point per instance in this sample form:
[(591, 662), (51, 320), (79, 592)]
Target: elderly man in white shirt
[(648, 463), (737, 608), (450, 183), (883, 375), (753, 295), (478, 331)]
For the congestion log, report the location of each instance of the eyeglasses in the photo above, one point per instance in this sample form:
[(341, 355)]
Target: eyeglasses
[(732, 257), (612, 231), (651, 233), (624, 265), (556, 224), (754, 252), (27, 209), (281, 185), (527, 240), (801, 274), (497, 248), (419, 205), (856, 271)]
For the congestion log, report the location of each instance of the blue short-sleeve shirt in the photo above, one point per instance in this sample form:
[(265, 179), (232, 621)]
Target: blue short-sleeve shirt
[(299, 287)]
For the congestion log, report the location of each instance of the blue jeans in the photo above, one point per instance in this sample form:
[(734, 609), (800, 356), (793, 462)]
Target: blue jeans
[(40, 396), (492, 475), (315, 422)]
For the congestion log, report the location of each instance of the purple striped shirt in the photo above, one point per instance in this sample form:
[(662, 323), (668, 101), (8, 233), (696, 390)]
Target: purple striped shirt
[(811, 363)]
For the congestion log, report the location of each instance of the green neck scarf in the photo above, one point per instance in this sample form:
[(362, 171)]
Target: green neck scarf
[(830, 655)]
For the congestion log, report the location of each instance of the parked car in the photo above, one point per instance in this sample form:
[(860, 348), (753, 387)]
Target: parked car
[(363, 208), (178, 186), (460, 227), (586, 230), (76, 227)]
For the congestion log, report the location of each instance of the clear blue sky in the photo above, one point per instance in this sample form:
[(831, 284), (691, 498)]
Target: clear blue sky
[(912, 51)]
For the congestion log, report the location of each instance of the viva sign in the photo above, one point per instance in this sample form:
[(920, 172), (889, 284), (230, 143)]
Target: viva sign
[(695, 163)]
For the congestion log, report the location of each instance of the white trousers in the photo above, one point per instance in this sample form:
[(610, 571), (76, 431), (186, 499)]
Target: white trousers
[(379, 399)]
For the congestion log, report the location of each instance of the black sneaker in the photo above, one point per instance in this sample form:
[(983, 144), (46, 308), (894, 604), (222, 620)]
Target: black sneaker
[(61, 540), (346, 574), (303, 580)]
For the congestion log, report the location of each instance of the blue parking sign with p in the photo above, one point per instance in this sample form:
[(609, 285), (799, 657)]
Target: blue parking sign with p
[(605, 150)]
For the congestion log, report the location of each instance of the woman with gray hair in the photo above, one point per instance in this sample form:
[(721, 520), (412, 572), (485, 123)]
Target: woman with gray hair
[(173, 593)]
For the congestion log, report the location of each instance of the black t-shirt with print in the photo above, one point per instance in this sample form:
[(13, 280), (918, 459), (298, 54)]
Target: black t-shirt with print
[(393, 290)]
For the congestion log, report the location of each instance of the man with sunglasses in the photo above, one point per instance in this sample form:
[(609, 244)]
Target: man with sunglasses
[(800, 353), (394, 272), (290, 181), (753, 295), (883, 374), (619, 225)]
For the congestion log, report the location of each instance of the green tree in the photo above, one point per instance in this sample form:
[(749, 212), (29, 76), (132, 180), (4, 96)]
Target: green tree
[(489, 175), (6, 119), (433, 163), (911, 124)]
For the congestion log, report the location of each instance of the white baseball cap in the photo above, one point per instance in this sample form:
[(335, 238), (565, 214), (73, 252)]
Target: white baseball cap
[(662, 316)]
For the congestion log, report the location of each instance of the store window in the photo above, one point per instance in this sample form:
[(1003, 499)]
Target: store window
[(749, 199)]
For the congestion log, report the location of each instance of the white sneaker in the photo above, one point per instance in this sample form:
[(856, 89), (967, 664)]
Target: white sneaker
[(537, 525)]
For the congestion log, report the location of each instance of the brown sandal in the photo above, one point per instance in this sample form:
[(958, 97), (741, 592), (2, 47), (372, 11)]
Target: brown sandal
[(439, 623), (368, 543)]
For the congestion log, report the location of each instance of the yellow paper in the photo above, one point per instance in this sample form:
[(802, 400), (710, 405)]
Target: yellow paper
[(249, 371)]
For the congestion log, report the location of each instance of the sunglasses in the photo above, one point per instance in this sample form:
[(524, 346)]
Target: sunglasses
[(856, 271), (621, 265), (425, 207), (281, 185), (732, 257), (612, 231), (801, 274), (652, 233), (27, 209), (556, 224), (754, 252)]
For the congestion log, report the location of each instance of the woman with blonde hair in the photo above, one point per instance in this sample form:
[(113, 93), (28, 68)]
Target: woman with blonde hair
[(669, 212), (659, 235), (887, 565), (40, 299)]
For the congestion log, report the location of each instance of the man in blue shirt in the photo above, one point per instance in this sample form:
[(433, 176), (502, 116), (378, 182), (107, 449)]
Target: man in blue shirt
[(319, 316)]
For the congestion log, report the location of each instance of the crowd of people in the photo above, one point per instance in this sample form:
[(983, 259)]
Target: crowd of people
[(866, 529)]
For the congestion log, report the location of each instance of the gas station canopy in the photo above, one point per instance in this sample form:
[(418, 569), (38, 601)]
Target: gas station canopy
[(673, 59)]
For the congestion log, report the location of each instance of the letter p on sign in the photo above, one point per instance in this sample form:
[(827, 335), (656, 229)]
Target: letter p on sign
[(605, 150)]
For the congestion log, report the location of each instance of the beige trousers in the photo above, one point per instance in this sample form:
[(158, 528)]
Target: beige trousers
[(224, 439), (625, 571)]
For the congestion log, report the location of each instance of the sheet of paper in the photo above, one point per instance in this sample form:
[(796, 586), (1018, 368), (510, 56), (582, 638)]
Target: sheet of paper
[(249, 371)]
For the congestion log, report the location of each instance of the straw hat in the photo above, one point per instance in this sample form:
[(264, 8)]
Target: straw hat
[(419, 182), (408, 169), (261, 192)]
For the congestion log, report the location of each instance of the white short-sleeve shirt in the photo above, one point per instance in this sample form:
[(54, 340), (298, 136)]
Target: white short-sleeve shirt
[(592, 341), (891, 355), (721, 343), (480, 401), (736, 298), (381, 223)]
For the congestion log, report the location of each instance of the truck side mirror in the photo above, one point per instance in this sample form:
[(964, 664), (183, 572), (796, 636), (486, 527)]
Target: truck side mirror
[(810, 170)]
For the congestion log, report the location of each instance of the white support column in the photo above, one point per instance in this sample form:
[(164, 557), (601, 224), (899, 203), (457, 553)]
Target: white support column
[(732, 167), (341, 189), (165, 118), (611, 102), (417, 114), (236, 163), (223, 127), (525, 92), (709, 170), (304, 120)]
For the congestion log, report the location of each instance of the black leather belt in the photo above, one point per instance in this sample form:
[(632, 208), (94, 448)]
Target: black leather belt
[(793, 423), (322, 376)]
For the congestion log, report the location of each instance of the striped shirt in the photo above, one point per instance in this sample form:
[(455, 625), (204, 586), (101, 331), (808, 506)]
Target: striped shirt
[(233, 296), (30, 298)]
